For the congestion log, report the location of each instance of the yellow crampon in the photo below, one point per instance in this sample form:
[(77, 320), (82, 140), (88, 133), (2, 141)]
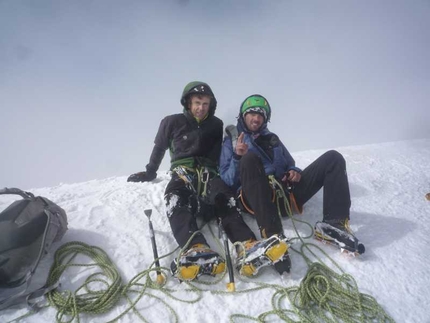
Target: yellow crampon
[(196, 261), (277, 251), (270, 256)]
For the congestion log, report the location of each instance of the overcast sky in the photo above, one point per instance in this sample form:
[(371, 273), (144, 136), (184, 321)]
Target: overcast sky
[(84, 84)]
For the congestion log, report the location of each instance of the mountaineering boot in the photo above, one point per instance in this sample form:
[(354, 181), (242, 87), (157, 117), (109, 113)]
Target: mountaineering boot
[(255, 254), (339, 234), (283, 265), (197, 260)]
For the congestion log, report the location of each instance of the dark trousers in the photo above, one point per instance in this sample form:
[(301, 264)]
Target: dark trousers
[(182, 208), (258, 194), (327, 172)]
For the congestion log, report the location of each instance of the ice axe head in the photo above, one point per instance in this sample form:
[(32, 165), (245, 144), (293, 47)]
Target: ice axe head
[(148, 213)]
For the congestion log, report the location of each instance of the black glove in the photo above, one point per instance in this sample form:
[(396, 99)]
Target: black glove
[(142, 177)]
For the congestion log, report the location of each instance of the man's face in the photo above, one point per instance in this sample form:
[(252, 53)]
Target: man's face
[(199, 106), (253, 121)]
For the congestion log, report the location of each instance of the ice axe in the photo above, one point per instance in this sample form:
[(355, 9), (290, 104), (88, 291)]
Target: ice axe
[(160, 277), (230, 286)]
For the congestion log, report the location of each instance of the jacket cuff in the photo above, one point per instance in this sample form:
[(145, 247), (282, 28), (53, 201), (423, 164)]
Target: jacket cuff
[(151, 170), (294, 168)]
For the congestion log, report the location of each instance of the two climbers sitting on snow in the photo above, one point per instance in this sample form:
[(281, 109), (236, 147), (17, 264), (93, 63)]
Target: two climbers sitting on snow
[(195, 140)]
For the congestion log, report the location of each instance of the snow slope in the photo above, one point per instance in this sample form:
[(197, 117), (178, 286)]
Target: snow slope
[(389, 214)]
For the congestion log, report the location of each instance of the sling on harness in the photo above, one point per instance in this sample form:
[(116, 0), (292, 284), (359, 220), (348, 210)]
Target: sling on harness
[(279, 196), (200, 175)]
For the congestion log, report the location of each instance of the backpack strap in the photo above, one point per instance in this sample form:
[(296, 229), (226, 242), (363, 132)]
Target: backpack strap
[(17, 191), (231, 131), (29, 296), (33, 296)]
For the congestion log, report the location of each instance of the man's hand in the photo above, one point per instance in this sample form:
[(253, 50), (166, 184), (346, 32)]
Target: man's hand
[(241, 146), (292, 176), (142, 177)]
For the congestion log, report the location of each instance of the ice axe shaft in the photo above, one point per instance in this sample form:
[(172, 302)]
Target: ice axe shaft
[(160, 277), (231, 285)]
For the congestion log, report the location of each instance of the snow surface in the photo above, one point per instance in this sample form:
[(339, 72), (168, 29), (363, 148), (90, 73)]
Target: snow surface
[(389, 214)]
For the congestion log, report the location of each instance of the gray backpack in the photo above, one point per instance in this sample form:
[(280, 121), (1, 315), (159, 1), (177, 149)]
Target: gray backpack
[(28, 227)]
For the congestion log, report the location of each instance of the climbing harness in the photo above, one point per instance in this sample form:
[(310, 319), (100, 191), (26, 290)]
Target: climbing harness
[(200, 175)]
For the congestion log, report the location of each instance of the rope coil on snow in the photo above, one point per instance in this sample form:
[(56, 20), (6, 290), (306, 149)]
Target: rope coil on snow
[(101, 301), (85, 299)]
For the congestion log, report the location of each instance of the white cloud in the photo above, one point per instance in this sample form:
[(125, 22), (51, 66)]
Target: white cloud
[(84, 85)]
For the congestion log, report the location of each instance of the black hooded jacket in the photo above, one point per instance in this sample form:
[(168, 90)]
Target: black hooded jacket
[(190, 143)]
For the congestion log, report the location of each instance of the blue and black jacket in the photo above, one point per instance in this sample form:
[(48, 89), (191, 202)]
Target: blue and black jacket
[(276, 158)]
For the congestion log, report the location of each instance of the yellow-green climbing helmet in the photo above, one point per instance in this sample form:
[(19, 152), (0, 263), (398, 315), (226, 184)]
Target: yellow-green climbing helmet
[(256, 103)]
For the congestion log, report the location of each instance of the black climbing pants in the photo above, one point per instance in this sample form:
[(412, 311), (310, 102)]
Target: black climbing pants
[(183, 207), (327, 172)]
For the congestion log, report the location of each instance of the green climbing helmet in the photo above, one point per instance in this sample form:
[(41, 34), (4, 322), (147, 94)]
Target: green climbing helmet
[(198, 87), (256, 103)]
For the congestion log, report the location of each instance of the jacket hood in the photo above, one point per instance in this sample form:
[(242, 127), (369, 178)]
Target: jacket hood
[(198, 87)]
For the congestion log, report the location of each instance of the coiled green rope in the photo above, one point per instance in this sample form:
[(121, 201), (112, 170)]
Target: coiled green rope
[(322, 296), (85, 299)]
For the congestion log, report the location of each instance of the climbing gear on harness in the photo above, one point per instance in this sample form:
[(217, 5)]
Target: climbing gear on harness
[(189, 175), (288, 186), (279, 196)]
